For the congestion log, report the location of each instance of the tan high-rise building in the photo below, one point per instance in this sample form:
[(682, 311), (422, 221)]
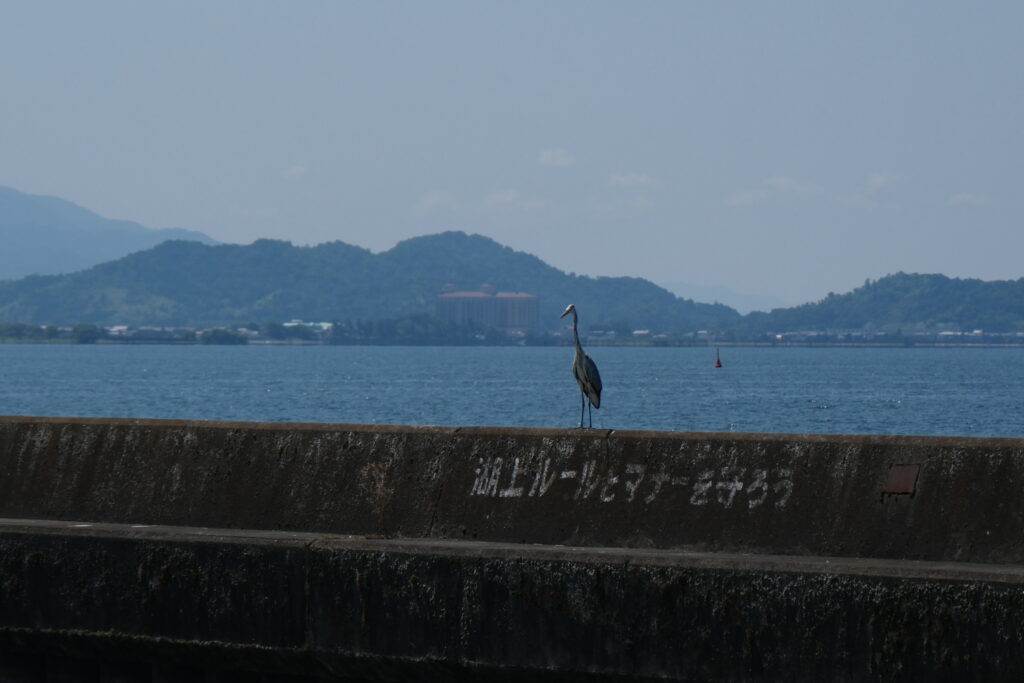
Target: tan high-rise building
[(510, 312)]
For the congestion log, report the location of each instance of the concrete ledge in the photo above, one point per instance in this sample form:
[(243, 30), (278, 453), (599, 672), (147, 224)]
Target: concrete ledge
[(925, 498), (386, 609)]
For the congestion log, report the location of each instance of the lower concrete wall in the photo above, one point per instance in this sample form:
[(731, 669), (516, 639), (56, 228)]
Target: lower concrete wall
[(377, 609), (402, 553)]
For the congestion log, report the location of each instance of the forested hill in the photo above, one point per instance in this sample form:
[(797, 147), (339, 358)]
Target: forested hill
[(188, 283), (906, 302)]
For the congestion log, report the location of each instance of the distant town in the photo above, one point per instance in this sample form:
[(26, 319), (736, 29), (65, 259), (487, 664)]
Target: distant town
[(427, 330)]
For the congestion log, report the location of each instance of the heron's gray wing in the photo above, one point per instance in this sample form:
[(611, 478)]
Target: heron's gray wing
[(593, 380)]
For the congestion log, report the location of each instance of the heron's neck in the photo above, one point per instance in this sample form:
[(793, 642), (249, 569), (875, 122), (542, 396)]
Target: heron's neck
[(575, 334)]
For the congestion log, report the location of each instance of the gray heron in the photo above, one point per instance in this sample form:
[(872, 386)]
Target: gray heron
[(585, 372)]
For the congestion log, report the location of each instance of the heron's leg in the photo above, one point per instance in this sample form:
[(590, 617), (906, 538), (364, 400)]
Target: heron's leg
[(590, 412), (582, 408)]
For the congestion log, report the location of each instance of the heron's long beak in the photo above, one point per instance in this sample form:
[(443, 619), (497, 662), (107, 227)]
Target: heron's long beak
[(566, 312)]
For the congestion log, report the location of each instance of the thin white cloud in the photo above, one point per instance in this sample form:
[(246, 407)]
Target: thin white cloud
[(876, 182), (787, 185), (871, 190), (631, 179), (969, 199), (774, 187), (783, 187), (295, 171), (747, 198), (510, 199), (500, 200), (556, 157)]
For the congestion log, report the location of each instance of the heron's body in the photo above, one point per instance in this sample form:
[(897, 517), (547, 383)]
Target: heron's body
[(585, 371)]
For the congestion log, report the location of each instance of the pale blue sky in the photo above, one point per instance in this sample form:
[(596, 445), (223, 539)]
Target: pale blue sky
[(781, 149)]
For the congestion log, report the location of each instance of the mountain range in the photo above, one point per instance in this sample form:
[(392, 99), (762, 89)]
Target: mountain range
[(199, 283)]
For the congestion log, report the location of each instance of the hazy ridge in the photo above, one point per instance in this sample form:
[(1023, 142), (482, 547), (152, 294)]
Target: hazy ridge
[(47, 235)]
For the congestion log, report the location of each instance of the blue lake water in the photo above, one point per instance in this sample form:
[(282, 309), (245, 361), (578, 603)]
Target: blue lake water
[(952, 391)]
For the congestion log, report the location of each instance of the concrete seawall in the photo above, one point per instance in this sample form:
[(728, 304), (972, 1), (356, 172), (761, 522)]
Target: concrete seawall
[(421, 553)]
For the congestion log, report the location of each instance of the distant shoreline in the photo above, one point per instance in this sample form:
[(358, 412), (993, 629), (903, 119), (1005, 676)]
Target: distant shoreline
[(594, 343)]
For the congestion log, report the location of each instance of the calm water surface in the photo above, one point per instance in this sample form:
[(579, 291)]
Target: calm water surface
[(954, 391)]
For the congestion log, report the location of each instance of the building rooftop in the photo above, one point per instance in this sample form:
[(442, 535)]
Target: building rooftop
[(482, 295)]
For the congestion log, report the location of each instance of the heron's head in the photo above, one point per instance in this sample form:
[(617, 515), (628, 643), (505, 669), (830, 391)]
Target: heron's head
[(568, 309)]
